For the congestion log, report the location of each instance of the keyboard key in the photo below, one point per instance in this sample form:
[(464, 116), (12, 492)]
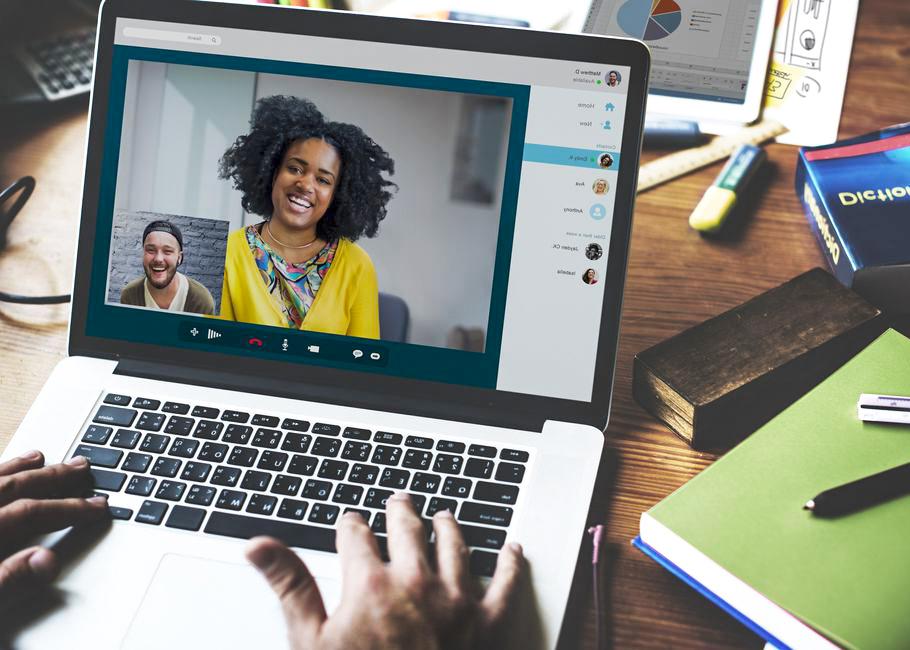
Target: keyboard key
[(119, 417), (208, 429), (268, 438), (155, 443), (257, 481), (299, 535), (428, 483), (205, 412), (186, 518), (388, 438), (146, 403), (97, 434), (237, 434), (286, 485), (483, 563), (242, 456), (99, 456), (478, 468), (418, 501), (414, 459), (396, 479), (151, 421), (197, 472), (326, 447), (151, 512), (225, 476), (303, 465), (482, 450), (314, 489), (141, 485), (356, 434), (333, 469), (230, 500), (200, 495), (496, 492), (170, 490), (481, 513), (447, 464), (117, 400), (110, 481), (213, 451), (176, 407), (260, 504), (166, 467), (438, 503), (179, 426), (295, 425), (296, 442), (514, 455), (347, 494), (264, 421), (357, 451), (378, 526), (364, 474), (136, 462), (456, 487), (326, 429), (119, 513), (363, 513), (450, 446), (419, 442), (377, 498), (386, 455), (235, 416), (272, 460), (292, 509), (184, 447), (323, 513), (510, 472), (483, 537)]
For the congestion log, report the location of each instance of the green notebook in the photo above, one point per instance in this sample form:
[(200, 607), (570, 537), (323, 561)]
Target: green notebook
[(740, 530)]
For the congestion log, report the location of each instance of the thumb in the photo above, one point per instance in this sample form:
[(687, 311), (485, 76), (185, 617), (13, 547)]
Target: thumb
[(29, 568), (295, 587)]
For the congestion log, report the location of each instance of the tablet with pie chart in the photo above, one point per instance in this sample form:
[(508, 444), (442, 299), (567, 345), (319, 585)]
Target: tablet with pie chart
[(708, 57)]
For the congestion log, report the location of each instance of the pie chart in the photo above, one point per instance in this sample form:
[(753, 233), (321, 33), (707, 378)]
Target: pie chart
[(649, 20)]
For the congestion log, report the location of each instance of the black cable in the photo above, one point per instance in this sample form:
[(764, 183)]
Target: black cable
[(24, 188)]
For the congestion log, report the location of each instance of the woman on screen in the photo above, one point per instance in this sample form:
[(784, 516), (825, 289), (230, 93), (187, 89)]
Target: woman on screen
[(319, 187)]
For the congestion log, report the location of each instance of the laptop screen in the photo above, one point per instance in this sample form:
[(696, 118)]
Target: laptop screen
[(431, 214)]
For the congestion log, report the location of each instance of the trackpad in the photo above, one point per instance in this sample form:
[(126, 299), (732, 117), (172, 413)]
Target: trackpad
[(198, 603)]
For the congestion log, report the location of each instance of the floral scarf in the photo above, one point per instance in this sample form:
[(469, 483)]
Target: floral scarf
[(292, 286)]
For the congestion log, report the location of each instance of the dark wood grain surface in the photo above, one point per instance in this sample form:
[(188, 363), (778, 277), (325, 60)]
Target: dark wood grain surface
[(676, 279)]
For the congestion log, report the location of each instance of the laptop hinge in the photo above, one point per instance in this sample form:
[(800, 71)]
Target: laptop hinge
[(385, 402)]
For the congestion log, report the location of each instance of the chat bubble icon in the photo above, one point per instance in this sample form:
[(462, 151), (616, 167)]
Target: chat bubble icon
[(357, 354)]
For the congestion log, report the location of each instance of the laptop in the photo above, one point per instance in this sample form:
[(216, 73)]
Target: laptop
[(499, 270)]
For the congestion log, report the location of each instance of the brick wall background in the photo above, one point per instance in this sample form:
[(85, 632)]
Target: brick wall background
[(204, 247)]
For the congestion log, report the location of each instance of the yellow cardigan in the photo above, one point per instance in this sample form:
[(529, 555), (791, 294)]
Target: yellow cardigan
[(347, 301)]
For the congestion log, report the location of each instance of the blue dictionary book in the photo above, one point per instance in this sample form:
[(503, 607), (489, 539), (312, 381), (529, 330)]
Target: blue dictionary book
[(772, 641), (856, 194)]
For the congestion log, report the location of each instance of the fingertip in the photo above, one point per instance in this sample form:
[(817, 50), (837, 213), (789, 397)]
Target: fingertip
[(262, 552), (43, 564), (516, 548), (77, 461), (32, 456)]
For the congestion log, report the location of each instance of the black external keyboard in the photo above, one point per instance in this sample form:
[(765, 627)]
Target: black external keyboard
[(61, 65), (239, 474)]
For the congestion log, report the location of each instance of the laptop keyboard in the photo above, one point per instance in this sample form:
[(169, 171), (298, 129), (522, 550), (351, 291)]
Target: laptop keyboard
[(239, 474)]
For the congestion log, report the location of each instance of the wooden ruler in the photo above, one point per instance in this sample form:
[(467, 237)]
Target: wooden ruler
[(680, 163)]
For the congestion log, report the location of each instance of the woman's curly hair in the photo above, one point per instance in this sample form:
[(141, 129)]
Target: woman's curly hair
[(361, 195)]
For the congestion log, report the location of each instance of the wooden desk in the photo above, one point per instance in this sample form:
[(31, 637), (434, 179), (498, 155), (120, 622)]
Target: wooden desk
[(676, 279)]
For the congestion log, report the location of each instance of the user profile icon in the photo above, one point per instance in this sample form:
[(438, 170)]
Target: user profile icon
[(600, 186), (605, 161), (598, 211), (594, 251), (614, 78), (589, 277)]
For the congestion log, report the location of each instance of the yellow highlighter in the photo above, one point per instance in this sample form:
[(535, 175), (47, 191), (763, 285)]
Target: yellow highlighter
[(711, 212)]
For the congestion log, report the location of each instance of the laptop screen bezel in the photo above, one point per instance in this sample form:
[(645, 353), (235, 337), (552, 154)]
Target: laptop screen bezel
[(447, 401)]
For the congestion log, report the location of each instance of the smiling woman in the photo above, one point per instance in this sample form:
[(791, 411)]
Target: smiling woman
[(319, 187)]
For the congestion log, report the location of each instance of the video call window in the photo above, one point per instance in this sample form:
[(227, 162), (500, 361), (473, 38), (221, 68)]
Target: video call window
[(307, 203)]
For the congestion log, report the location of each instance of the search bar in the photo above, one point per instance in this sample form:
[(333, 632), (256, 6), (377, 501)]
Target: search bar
[(171, 37)]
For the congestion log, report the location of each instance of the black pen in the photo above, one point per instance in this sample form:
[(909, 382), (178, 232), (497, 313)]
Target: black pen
[(861, 493)]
